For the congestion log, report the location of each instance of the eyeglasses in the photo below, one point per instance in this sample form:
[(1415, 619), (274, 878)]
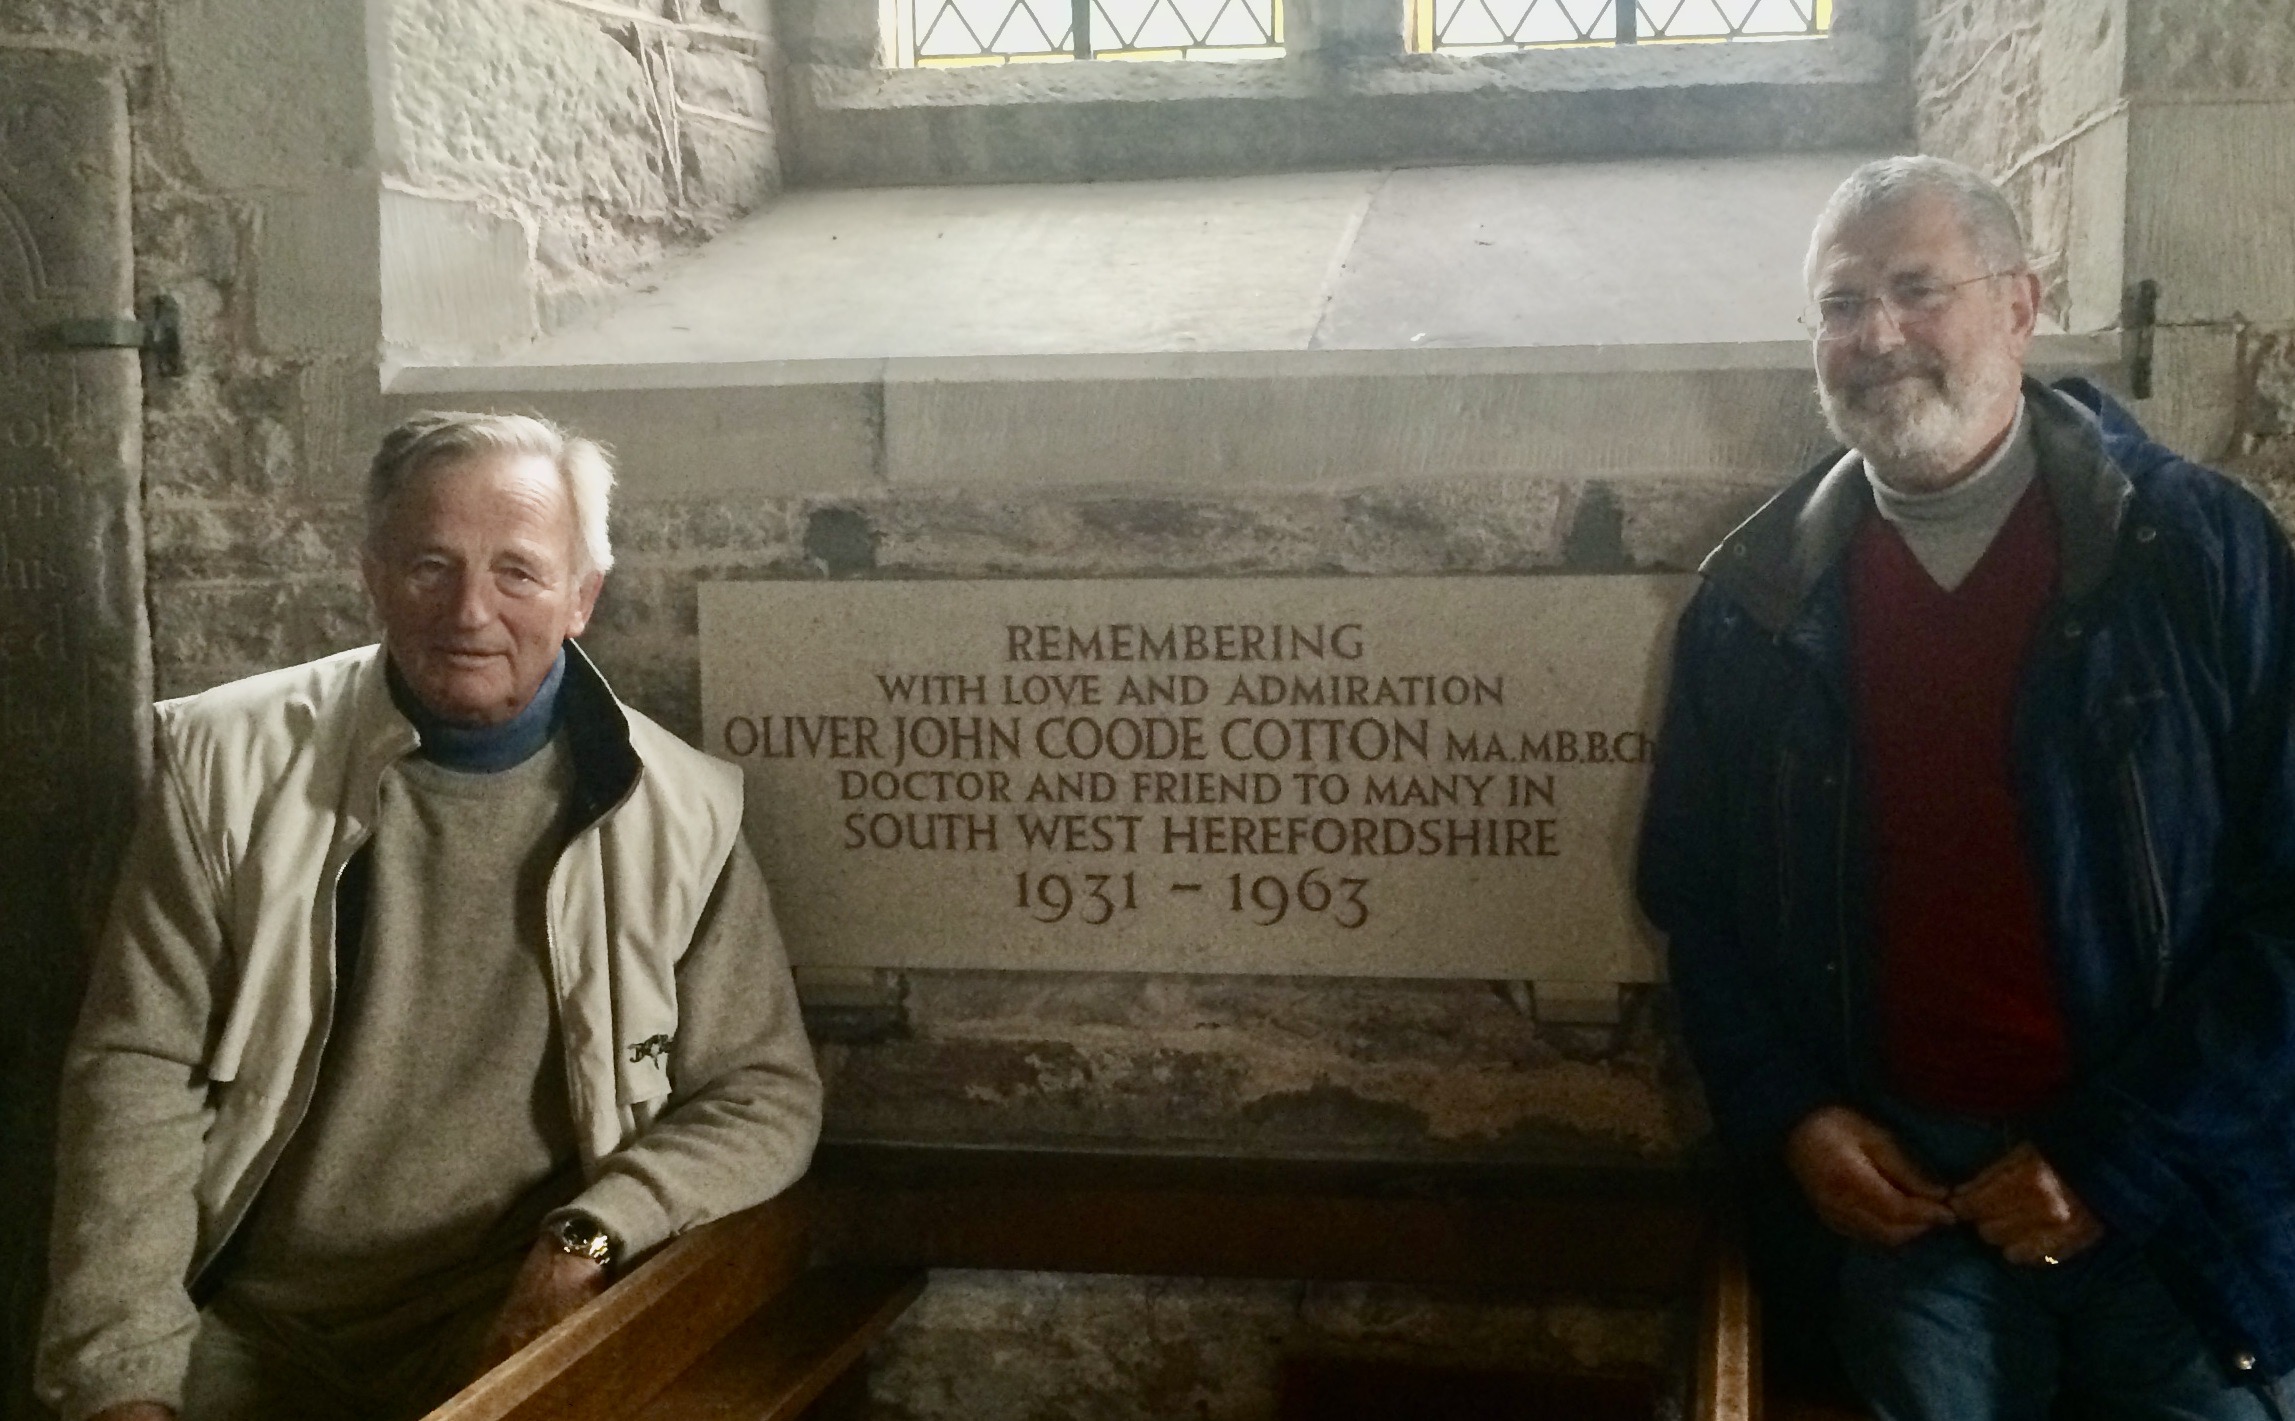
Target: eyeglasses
[(1908, 302)]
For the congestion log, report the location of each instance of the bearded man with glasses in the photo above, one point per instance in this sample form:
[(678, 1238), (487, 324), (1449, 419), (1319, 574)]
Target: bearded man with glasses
[(1972, 833)]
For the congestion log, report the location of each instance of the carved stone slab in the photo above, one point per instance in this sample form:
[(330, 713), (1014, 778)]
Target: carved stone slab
[(74, 677), (1363, 776)]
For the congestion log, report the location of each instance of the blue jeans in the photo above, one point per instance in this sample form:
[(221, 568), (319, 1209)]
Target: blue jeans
[(1945, 1329)]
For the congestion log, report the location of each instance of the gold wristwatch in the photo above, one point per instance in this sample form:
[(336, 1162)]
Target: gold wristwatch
[(584, 1237)]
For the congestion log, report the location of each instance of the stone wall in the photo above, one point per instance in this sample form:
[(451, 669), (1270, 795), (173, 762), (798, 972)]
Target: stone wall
[(2029, 93), (270, 241), (2142, 140), (539, 153), (983, 1346), (2211, 201)]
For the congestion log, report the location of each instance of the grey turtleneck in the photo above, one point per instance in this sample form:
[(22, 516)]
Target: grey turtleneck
[(1949, 530)]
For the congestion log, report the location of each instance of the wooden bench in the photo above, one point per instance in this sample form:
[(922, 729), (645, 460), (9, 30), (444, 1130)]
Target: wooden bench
[(758, 1316)]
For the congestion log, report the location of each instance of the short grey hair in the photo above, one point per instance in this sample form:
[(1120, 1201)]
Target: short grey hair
[(437, 437), (1985, 215)]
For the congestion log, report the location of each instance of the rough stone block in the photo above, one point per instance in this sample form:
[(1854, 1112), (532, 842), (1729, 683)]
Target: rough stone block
[(316, 254), (2096, 226), (207, 633), (525, 103), (2195, 406), (98, 22), (1669, 524), (236, 67), (1006, 1345), (728, 82), (2210, 46), (189, 237), (754, 15), (1976, 77), (457, 280), (1488, 526), (729, 170), (678, 431), (1262, 1065), (269, 431), (2083, 52), (234, 541), (1416, 419), (2273, 383), (2211, 190)]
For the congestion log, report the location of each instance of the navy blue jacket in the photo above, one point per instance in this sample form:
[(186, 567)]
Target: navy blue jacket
[(2154, 743)]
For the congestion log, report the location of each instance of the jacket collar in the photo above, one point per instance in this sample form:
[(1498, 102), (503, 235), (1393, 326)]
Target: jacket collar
[(1774, 560), (597, 734)]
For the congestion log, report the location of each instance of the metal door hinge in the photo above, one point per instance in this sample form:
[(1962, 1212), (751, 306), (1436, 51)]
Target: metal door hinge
[(2139, 317), (158, 334)]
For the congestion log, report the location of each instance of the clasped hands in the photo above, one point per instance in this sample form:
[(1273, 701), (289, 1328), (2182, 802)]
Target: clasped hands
[(1864, 1187)]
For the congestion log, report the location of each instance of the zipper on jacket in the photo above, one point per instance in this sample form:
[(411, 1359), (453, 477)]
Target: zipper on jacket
[(2151, 889), (566, 1057), (1841, 954), (323, 1031), (1784, 815)]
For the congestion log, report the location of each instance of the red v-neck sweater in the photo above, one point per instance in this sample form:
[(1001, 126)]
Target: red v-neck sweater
[(1970, 1019)]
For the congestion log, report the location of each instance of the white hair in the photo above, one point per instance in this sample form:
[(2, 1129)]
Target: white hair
[(1985, 216), (437, 437)]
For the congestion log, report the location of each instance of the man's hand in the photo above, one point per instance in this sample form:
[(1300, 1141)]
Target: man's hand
[(134, 1411), (550, 1285), (1859, 1180), (2024, 1208)]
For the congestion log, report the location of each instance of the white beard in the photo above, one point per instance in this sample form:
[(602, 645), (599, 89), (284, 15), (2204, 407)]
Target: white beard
[(1919, 432)]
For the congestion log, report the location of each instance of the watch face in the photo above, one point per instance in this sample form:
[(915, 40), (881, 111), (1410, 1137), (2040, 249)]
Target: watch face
[(586, 1237)]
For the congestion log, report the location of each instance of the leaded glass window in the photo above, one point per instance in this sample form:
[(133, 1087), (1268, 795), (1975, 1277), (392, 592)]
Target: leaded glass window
[(1490, 26), (952, 32)]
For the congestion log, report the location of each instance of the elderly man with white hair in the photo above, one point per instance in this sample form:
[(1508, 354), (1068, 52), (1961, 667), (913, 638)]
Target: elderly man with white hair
[(1972, 833), (438, 986)]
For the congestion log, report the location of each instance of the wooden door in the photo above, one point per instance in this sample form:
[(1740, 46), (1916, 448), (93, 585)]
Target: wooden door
[(75, 677)]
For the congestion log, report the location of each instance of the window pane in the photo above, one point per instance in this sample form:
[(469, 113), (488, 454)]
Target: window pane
[(1477, 26), (972, 29), (1004, 31)]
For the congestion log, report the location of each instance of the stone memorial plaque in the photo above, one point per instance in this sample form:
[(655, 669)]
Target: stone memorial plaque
[(1430, 777)]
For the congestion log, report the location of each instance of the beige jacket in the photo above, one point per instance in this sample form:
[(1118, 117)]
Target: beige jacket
[(279, 775)]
